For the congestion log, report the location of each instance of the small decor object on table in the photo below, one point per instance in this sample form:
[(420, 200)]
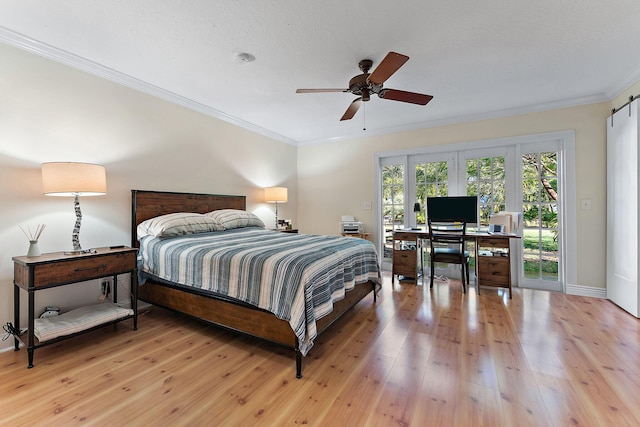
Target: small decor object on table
[(33, 237)]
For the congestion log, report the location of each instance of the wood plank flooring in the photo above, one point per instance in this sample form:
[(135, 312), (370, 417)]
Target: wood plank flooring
[(417, 357)]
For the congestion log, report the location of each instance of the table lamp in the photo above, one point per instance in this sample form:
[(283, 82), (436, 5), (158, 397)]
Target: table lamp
[(416, 210), (74, 179), (275, 195)]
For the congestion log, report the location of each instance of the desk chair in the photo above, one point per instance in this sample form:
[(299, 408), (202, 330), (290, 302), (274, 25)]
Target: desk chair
[(447, 243)]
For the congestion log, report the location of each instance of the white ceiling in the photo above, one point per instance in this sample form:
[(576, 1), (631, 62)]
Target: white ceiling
[(479, 59)]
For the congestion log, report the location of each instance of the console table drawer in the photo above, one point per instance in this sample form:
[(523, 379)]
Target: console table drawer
[(77, 269)]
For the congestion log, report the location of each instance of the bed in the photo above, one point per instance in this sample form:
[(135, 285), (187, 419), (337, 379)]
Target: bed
[(250, 312)]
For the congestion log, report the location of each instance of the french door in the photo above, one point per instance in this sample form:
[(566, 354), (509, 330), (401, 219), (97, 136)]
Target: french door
[(540, 204), (525, 175)]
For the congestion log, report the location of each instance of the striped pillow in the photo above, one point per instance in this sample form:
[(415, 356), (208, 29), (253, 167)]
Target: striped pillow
[(233, 218), (176, 224)]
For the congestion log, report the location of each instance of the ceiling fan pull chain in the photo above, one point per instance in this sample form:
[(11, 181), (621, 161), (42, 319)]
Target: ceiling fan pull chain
[(364, 117)]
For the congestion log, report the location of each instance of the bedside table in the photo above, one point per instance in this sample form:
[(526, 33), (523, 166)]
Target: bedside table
[(57, 269)]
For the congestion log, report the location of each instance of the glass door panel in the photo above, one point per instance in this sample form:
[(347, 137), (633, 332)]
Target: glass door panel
[(432, 180), (393, 190), (486, 179), (540, 216)]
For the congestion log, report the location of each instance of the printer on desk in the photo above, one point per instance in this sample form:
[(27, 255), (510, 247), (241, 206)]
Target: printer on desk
[(349, 225)]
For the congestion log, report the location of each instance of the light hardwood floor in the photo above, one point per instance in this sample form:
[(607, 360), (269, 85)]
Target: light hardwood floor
[(416, 357)]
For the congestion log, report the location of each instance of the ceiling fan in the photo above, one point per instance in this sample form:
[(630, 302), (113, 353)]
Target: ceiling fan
[(365, 84)]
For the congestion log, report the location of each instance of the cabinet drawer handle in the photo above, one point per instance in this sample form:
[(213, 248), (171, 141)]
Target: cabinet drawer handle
[(91, 268)]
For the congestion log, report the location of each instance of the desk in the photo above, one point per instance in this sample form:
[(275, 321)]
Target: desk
[(493, 256)]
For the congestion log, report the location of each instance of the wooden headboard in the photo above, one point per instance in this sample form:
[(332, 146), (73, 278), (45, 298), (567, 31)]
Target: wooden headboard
[(149, 204)]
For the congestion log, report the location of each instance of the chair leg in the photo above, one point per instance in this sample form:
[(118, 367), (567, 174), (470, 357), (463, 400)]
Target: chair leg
[(464, 288), (432, 273), (467, 268)]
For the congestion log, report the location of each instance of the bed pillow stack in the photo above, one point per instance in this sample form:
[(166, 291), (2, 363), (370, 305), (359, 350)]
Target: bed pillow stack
[(181, 223)]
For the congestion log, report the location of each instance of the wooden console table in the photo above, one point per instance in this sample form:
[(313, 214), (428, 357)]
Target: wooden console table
[(57, 269)]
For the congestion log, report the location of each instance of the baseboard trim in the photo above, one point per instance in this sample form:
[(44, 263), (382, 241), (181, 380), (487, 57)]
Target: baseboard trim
[(586, 291), (8, 347)]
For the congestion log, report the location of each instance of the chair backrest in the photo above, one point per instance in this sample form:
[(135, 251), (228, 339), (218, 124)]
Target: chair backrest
[(448, 234)]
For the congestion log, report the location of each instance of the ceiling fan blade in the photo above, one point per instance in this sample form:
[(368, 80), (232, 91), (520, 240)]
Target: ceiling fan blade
[(320, 90), (389, 65), (404, 96), (352, 110)]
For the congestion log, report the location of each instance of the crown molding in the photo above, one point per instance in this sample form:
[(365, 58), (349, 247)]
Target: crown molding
[(616, 89), (67, 58), (42, 49)]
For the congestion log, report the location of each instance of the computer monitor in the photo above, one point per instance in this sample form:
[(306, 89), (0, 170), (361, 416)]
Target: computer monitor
[(453, 208)]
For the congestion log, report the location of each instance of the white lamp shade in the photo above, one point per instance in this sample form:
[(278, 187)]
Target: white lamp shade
[(275, 194), (70, 179)]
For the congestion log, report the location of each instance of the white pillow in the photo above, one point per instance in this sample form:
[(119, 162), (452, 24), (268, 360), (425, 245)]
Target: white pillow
[(176, 224), (233, 218)]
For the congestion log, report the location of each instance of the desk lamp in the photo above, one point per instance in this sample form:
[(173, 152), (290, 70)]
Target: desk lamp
[(275, 195), (74, 179), (416, 210)]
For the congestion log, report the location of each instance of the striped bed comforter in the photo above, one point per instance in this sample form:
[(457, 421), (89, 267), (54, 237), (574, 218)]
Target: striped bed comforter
[(297, 277)]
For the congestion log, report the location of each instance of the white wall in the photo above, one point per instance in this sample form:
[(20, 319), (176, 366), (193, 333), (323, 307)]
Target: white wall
[(337, 178), (50, 112)]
